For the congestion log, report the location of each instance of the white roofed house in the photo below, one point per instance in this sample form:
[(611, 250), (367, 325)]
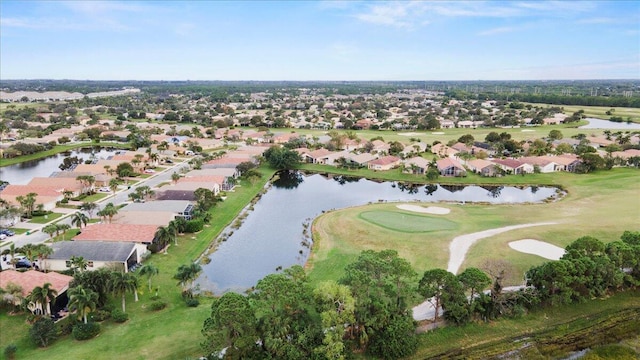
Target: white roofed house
[(544, 164), (450, 167), (415, 165)]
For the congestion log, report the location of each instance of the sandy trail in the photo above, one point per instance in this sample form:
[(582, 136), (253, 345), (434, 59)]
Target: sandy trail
[(537, 247), (461, 244), (425, 210)]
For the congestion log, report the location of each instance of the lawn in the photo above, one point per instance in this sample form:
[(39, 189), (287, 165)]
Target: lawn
[(18, 231), (172, 333), (599, 112), (601, 205), (95, 197), (45, 218)]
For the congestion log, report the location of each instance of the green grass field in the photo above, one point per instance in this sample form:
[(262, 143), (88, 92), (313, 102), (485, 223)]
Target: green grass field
[(45, 218), (602, 205), (600, 112), (406, 222)]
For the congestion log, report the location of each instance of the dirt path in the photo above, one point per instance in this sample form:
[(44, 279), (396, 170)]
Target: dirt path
[(461, 244)]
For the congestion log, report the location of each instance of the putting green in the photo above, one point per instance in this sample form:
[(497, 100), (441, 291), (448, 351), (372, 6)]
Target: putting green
[(407, 223)]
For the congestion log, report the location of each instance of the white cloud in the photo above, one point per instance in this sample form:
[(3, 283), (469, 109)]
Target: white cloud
[(498, 30), (596, 21)]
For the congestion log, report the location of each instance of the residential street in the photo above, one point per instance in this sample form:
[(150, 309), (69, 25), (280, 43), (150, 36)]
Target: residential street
[(36, 236)]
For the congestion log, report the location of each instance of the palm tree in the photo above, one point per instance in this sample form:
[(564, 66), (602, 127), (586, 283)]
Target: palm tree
[(78, 219), (28, 250), (28, 203), (83, 300), (121, 283), (186, 275), (42, 296), (50, 230), (175, 177), (89, 208), (43, 251), (148, 270), (113, 185), (63, 228), (164, 235), (109, 211), (78, 263)]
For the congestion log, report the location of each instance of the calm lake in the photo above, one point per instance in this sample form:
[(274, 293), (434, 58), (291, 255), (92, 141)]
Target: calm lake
[(22, 173), (271, 237), (606, 124)]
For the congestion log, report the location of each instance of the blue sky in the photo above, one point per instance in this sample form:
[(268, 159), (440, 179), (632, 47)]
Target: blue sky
[(326, 40)]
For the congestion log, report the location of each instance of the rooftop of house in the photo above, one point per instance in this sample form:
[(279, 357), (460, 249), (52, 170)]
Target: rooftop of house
[(92, 250), (118, 232), (175, 206), (385, 160), (28, 280)]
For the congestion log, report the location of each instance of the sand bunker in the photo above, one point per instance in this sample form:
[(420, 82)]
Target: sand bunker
[(437, 133), (536, 247), (425, 210), (461, 244), (408, 134), (527, 130)]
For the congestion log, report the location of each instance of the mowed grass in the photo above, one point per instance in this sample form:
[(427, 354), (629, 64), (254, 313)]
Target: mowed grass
[(600, 112), (603, 205), (408, 223), (43, 219)]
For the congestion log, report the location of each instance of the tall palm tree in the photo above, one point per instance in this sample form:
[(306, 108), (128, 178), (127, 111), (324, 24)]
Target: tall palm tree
[(113, 185), (50, 230), (29, 251), (186, 275), (43, 251), (78, 219), (28, 203), (83, 300), (148, 270), (164, 235), (109, 211), (89, 208), (121, 283), (42, 296)]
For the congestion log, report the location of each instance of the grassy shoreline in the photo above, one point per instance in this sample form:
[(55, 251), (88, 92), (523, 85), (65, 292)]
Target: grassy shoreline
[(58, 149)]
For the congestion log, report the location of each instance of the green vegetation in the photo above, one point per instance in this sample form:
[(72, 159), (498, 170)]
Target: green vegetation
[(43, 219), (406, 222), (340, 235), (602, 112)]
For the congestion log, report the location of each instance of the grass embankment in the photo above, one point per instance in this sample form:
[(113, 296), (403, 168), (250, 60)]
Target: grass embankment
[(58, 149), (541, 334), (172, 333), (603, 205)]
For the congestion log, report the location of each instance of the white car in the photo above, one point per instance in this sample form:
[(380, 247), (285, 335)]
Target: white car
[(104, 189), (3, 236), (149, 171)]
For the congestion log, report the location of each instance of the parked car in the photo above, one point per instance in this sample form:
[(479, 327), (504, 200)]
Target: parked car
[(23, 263), (104, 189), (7, 232), (3, 236), (149, 171)]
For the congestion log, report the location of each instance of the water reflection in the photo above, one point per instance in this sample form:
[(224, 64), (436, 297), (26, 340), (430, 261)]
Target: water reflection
[(276, 234)]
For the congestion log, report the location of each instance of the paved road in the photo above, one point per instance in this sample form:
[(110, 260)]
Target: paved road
[(121, 196)]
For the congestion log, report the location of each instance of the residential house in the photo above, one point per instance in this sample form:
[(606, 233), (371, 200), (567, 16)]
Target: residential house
[(416, 165), (360, 159), (384, 163), (414, 149), (29, 280), (443, 150), (60, 184), (567, 162), (450, 167), (140, 235), (229, 175), (180, 208), (97, 254), (483, 167), (512, 166), (316, 156), (380, 147), (47, 196), (544, 164)]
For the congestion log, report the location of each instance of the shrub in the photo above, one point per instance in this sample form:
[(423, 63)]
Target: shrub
[(192, 302), (193, 226), (65, 326), (43, 332), (85, 331), (10, 351), (100, 315), (118, 316), (157, 305)]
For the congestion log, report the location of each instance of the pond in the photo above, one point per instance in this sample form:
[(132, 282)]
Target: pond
[(22, 173), (606, 124), (272, 235)]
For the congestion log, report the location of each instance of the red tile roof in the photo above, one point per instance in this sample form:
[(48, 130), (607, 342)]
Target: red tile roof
[(43, 191), (386, 160), (216, 179), (118, 232), (28, 280)]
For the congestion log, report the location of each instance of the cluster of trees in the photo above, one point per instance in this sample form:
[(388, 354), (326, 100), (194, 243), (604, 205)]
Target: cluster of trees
[(20, 148), (368, 309)]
